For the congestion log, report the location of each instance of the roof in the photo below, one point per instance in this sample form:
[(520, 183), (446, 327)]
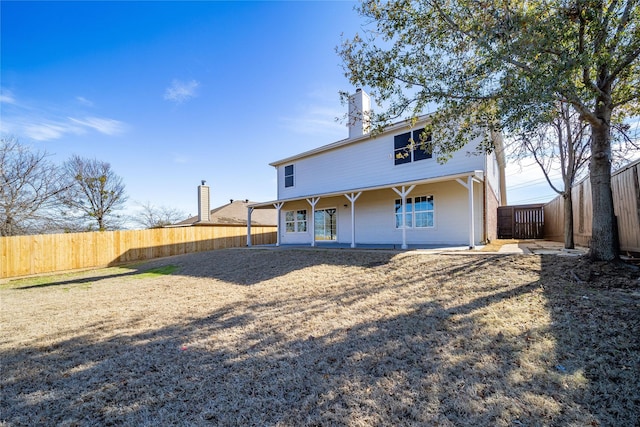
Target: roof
[(477, 175), (235, 213)]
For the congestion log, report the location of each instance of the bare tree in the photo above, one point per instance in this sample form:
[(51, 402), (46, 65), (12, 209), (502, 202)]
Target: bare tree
[(29, 184), (562, 143), (94, 192), (151, 216)]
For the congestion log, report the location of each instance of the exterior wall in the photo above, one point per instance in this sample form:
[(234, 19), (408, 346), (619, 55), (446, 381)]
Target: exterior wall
[(491, 214), (492, 175), (375, 220), (368, 163)]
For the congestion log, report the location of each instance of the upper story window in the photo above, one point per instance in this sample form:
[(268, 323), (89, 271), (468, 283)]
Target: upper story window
[(288, 176), (411, 147)]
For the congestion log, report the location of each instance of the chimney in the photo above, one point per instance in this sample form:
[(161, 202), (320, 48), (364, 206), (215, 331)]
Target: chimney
[(359, 114), (204, 208)]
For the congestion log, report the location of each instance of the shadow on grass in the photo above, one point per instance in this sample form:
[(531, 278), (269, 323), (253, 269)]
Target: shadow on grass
[(141, 271), (239, 266), (463, 347)]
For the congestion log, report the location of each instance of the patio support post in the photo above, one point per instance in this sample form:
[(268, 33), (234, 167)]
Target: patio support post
[(469, 186), (313, 202), (403, 194), (278, 206), (249, 212), (352, 198)]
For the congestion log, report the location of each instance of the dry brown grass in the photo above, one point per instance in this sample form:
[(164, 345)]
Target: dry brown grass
[(317, 337), (495, 245)]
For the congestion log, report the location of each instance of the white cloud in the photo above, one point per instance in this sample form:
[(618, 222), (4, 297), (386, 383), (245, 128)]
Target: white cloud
[(44, 122), (105, 126), (84, 101), (180, 91), (177, 158), (320, 113), (49, 131), (7, 98), (316, 119)]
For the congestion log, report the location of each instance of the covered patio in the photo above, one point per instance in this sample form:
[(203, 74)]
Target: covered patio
[(470, 181)]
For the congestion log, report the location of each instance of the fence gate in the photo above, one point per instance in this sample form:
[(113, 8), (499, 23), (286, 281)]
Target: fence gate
[(521, 222)]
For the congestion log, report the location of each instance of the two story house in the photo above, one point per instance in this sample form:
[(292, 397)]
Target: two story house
[(385, 188)]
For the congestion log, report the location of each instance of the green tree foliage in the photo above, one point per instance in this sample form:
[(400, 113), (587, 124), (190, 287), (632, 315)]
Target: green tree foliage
[(94, 191), (505, 65)]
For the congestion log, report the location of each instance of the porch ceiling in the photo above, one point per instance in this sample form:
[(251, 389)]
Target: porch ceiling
[(476, 174)]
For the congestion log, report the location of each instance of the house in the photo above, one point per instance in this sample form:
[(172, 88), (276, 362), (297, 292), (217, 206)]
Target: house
[(232, 213), (382, 189)]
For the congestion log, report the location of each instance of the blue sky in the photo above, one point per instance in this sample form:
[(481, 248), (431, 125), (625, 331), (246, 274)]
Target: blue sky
[(170, 93)]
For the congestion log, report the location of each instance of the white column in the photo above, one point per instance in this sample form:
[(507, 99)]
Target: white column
[(249, 212), (469, 186), (403, 194), (313, 202), (278, 206), (352, 198)]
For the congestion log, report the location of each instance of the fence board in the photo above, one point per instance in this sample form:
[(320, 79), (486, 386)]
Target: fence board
[(520, 222), (625, 187), (26, 255)]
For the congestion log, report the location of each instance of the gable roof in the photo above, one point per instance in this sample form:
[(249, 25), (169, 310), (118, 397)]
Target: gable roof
[(235, 213)]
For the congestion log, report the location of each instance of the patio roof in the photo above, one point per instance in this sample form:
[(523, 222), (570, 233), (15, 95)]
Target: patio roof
[(476, 174)]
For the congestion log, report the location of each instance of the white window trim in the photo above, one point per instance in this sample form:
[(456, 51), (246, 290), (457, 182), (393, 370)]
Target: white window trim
[(293, 176), (296, 221), (413, 214), (411, 151)]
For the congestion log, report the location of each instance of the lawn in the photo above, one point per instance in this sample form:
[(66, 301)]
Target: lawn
[(325, 337)]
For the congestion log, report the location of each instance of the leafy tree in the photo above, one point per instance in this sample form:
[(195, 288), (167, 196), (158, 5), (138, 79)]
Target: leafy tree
[(506, 65), (93, 191), (151, 216), (29, 184)]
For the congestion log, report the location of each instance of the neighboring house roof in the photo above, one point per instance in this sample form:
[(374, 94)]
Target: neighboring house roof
[(235, 213)]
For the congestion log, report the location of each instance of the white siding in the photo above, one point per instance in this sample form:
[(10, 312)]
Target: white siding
[(375, 219), (368, 163), (493, 174)]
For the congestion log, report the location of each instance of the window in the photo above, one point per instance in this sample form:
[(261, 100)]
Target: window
[(295, 221), (408, 213), (423, 211), (411, 147), (419, 212), (288, 176)]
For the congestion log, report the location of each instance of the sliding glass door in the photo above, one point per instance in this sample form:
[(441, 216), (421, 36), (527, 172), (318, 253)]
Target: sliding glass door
[(325, 225)]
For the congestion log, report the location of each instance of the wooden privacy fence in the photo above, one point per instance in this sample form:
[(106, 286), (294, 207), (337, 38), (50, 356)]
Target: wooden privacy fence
[(521, 222), (625, 185), (46, 253)]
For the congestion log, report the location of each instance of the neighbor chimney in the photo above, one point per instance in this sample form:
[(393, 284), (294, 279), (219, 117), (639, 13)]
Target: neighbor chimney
[(359, 114), (204, 208)]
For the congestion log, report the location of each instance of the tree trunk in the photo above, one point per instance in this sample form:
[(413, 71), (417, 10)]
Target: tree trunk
[(568, 220), (602, 247)]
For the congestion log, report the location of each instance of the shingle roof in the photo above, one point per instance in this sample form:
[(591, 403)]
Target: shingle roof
[(235, 212)]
